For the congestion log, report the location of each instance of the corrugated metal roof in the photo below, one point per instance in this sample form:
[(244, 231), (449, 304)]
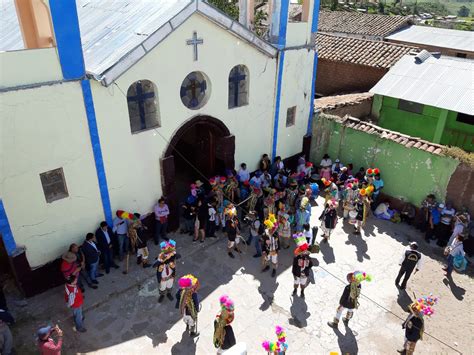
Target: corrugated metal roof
[(117, 33), (437, 37), (445, 82), (10, 35)]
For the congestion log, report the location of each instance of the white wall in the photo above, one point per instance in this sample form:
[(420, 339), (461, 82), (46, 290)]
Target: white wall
[(132, 160), (43, 129), (296, 91), (30, 66)]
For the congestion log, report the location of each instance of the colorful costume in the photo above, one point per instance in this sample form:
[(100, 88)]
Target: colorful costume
[(301, 263), (138, 241), (284, 230), (187, 302), (270, 245), (328, 219), (223, 333), (232, 229), (280, 346), (414, 324), (350, 297), (166, 268)]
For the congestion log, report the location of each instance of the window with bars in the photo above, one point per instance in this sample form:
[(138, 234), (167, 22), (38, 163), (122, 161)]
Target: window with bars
[(290, 116), (54, 185)]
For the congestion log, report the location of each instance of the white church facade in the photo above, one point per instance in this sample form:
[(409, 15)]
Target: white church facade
[(97, 113)]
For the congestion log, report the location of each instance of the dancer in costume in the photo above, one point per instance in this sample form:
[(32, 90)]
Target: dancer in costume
[(187, 302), (350, 297), (414, 324), (231, 186), (223, 333), (166, 269), (138, 240), (301, 263), (270, 245), (280, 346), (284, 230)]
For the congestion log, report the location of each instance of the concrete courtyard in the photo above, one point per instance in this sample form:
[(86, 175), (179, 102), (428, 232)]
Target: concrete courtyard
[(123, 315)]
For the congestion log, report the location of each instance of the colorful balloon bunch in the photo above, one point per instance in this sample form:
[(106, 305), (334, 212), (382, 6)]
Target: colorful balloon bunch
[(372, 171), (360, 276), (424, 305), (280, 345)]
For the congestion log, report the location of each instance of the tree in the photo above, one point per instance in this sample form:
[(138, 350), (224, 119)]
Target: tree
[(231, 8), (464, 11)]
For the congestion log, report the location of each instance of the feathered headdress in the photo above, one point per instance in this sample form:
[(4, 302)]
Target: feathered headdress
[(188, 281), (372, 171), (168, 246), (301, 243), (226, 303), (424, 305), (271, 223), (359, 276), (280, 345), (125, 215)]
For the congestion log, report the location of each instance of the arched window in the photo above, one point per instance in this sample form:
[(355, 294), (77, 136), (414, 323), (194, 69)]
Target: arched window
[(142, 106), (238, 86)]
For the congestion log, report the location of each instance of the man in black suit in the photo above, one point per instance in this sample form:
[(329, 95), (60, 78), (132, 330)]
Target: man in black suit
[(91, 255), (105, 237)]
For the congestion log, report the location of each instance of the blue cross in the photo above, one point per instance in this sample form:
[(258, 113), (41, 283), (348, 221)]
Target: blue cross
[(140, 98), (235, 80), (194, 84), (194, 42)]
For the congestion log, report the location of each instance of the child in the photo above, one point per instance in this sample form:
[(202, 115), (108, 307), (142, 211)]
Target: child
[(270, 245), (74, 300)]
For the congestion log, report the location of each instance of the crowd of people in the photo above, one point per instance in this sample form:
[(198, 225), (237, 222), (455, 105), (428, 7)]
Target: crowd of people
[(272, 207)]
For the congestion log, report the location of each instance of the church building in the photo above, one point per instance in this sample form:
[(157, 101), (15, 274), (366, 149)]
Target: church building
[(110, 105)]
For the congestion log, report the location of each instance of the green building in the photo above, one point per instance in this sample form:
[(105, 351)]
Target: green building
[(430, 98)]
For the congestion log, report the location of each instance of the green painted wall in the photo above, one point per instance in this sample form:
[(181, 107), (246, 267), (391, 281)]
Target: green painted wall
[(458, 134), (412, 124), (408, 173), (424, 125)]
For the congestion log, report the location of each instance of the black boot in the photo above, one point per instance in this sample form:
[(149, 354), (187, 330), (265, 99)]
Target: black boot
[(274, 272), (161, 298), (170, 296)]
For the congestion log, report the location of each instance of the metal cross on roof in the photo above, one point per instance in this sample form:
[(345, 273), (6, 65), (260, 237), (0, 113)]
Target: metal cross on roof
[(194, 42)]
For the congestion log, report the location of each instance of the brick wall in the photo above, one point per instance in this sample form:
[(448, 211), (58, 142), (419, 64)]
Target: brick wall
[(339, 77)]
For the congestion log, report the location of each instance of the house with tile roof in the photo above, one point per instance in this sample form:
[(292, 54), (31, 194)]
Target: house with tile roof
[(428, 97), (348, 64)]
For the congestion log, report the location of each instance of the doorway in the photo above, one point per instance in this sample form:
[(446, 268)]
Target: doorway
[(201, 148)]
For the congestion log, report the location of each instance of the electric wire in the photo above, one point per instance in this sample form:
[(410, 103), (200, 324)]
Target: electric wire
[(245, 210)]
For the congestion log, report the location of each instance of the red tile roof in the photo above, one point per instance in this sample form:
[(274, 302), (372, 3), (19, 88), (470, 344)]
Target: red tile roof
[(377, 54), (357, 23)]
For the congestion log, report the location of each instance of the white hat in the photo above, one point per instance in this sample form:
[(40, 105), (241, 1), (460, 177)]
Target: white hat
[(337, 161), (441, 205)]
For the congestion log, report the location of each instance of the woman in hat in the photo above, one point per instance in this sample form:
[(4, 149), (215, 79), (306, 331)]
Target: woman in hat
[(284, 230), (325, 167), (328, 219)]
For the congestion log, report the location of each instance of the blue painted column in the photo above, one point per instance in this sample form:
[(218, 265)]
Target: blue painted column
[(68, 40), (314, 30), (6, 231), (281, 61)]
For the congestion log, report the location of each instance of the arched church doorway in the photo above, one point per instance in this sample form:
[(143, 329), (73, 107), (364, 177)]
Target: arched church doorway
[(201, 148)]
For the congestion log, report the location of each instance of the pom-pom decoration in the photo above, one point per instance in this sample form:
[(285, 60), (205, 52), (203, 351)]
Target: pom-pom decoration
[(188, 281), (226, 303), (360, 276), (271, 222), (280, 345), (370, 172), (376, 171), (424, 305), (363, 192), (168, 246), (125, 215)]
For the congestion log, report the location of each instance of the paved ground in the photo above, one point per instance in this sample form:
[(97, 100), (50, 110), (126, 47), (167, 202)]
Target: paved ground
[(123, 316)]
